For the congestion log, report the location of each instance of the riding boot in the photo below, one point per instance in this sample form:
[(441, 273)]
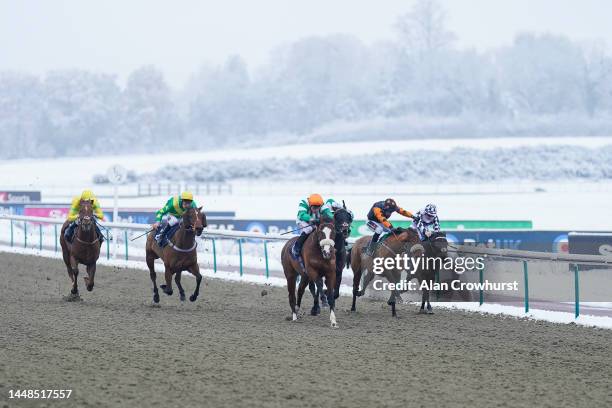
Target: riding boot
[(99, 233), (161, 235), (370, 249), (69, 233), (296, 250)]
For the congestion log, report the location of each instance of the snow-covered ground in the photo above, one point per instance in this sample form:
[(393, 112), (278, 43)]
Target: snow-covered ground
[(79, 171), (550, 205)]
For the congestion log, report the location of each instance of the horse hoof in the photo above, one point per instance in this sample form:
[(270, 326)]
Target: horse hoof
[(165, 289), (90, 288), (334, 325), (353, 309), (156, 298), (422, 311), (315, 312), (183, 297), (193, 298), (73, 297), (429, 311)]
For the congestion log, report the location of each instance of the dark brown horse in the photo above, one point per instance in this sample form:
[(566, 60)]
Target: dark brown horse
[(84, 249), (402, 241), (436, 252), (179, 255), (319, 258)]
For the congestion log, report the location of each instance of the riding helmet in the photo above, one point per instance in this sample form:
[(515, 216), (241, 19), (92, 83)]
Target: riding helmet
[(315, 199), (430, 209), (390, 203), (187, 195)]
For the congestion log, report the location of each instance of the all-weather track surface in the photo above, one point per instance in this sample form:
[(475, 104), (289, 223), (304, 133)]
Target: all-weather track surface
[(233, 347)]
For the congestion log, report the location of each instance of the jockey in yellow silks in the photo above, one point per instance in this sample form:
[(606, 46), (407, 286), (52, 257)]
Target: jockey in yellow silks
[(75, 207)]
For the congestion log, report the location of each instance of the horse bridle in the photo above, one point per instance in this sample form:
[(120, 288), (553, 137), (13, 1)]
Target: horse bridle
[(76, 233)]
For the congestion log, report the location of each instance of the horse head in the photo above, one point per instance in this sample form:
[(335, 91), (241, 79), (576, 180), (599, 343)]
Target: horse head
[(325, 235), (190, 220), (200, 221), (438, 244), (342, 221), (86, 217)]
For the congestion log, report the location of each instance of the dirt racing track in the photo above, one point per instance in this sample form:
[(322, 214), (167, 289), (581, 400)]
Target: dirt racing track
[(233, 347)]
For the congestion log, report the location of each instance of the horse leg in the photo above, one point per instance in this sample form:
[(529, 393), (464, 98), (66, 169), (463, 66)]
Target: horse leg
[(291, 278), (323, 295), (366, 281), (153, 275), (75, 273), (195, 270), (338, 280), (356, 282), (300, 292), (426, 297), (314, 290), (422, 309), (167, 287), (177, 280), (89, 279), (330, 283), (392, 277)]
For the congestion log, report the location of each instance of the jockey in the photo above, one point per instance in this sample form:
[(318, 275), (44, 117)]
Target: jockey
[(168, 216), (310, 212), (75, 207), (425, 219), (378, 215), (332, 205)]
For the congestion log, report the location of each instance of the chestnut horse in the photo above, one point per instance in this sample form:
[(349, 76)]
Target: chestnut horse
[(179, 255), (319, 257), (84, 249), (402, 241)]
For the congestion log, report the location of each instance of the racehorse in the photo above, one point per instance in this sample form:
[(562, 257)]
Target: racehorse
[(342, 222), (319, 258), (436, 248), (401, 241), (84, 249), (179, 255)]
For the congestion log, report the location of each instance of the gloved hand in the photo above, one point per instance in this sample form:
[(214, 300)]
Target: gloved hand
[(428, 233)]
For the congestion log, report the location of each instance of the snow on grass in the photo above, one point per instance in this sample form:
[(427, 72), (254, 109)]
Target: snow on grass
[(35, 173)]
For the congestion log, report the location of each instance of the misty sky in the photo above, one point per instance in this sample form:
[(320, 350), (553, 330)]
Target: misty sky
[(178, 36)]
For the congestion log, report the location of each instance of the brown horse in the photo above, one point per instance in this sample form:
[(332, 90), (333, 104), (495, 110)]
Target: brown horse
[(436, 248), (319, 257), (402, 241), (85, 249), (179, 255)]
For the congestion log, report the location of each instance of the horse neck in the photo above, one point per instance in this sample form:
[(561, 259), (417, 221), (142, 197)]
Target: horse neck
[(182, 238), (83, 235)]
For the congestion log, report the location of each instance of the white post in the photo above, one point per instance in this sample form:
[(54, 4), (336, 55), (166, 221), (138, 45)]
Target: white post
[(116, 175), (115, 218)]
